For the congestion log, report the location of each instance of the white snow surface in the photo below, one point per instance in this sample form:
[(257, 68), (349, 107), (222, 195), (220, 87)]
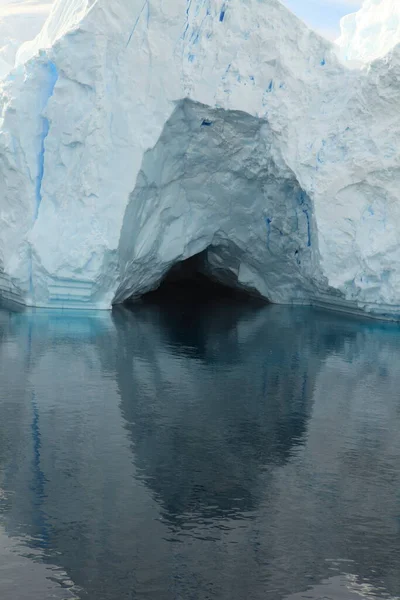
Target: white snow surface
[(371, 32), (20, 20), (140, 133)]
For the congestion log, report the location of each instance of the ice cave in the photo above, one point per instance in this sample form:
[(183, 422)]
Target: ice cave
[(211, 185)]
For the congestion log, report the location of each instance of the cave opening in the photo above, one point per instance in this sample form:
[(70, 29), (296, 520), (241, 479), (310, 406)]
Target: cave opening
[(189, 281), (222, 195)]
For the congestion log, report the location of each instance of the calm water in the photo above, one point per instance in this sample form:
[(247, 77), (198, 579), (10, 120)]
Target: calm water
[(218, 452)]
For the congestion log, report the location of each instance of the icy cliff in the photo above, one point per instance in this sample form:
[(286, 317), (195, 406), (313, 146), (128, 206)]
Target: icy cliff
[(371, 32), (140, 133), (19, 21)]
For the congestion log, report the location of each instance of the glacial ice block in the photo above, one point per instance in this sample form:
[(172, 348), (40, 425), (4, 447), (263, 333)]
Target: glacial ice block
[(371, 32), (136, 134)]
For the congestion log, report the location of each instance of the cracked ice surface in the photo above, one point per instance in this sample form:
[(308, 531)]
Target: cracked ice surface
[(214, 182), (139, 134)]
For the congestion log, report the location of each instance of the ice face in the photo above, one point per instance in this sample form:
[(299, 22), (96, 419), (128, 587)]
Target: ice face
[(19, 21), (212, 183), (371, 32), (143, 133)]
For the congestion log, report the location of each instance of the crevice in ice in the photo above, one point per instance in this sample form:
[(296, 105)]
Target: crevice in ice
[(136, 23), (52, 78), (215, 186)]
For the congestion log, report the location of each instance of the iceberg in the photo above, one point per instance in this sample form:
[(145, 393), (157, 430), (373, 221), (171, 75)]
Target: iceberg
[(371, 32), (20, 21), (137, 134)]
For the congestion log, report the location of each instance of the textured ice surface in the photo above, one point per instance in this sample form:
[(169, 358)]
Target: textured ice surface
[(139, 133), (371, 32), (20, 20)]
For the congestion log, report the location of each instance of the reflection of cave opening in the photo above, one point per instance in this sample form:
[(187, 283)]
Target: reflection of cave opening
[(191, 280)]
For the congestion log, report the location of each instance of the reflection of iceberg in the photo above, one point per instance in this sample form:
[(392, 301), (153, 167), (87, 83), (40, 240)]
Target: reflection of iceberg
[(26, 578), (216, 373), (240, 457), (342, 587)]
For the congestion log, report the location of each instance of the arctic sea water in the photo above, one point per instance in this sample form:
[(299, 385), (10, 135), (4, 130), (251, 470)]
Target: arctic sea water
[(214, 451)]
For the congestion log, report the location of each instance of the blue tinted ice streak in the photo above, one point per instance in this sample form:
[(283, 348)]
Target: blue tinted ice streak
[(39, 177), (222, 13), (268, 222), (305, 211), (136, 23), (195, 37), (300, 198), (53, 77)]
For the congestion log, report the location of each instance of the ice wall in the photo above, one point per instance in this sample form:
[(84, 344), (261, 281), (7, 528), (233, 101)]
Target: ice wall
[(19, 21), (371, 32), (141, 133)]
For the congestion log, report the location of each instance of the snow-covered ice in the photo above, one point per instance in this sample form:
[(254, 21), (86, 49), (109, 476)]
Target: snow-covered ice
[(20, 21), (136, 134), (371, 32)]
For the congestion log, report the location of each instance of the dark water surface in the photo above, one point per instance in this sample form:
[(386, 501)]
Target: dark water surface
[(210, 452)]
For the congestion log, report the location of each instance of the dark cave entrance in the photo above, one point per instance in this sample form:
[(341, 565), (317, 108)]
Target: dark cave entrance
[(190, 281)]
